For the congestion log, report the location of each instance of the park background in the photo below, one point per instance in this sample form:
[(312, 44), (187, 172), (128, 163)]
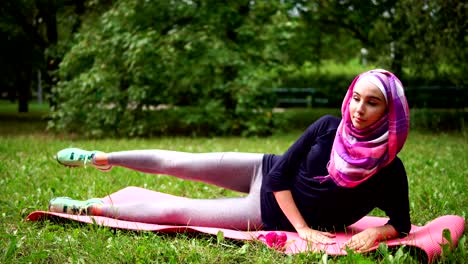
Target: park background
[(206, 76)]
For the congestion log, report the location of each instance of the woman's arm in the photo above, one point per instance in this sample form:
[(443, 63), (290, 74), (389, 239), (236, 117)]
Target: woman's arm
[(367, 238), (290, 210), (395, 206)]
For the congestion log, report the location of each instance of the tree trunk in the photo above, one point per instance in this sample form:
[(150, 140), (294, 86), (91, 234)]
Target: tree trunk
[(24, 89), (397, 62), (48, 11), (80, 9)]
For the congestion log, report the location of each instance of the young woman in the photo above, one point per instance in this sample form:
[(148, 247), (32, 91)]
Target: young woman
[(333, 175)]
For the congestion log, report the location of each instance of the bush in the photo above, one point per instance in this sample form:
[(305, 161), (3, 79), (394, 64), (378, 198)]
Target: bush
[(438, 120), (143, 55), (332, 80), (432, 120)]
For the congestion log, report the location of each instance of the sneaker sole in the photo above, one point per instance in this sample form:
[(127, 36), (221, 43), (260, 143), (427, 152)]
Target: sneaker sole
[(67, 165)]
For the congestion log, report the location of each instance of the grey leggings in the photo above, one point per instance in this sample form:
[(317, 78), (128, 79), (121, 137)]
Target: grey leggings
[(240, 172)]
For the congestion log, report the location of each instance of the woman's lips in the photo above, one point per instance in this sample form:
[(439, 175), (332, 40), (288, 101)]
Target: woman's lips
[(359, 120)]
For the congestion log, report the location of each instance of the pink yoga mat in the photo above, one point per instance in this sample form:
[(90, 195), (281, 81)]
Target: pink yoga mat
[(429, 237)]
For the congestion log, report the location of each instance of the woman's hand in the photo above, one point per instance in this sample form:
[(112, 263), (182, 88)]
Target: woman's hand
[(363, 241), (315, 236)]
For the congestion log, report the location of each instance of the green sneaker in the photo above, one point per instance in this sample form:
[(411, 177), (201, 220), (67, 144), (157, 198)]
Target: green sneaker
[(69, 206), (75, 157)]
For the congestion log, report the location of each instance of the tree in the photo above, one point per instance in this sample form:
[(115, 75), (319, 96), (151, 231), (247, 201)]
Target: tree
[(437, 39), (205, 56), (30, 34), (341, 22), (21, 49), (427, 37)]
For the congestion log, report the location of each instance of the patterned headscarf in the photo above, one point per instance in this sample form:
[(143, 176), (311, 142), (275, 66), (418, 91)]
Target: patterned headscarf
[(357, 154)]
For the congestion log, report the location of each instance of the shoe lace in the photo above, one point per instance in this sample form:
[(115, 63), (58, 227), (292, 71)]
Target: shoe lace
[(79, 210), (88, 159)]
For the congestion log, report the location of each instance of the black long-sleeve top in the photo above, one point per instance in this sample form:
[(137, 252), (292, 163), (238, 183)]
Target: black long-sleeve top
[(325, 205)]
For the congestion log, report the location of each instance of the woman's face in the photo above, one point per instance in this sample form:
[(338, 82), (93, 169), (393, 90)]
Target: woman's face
[(367, 104)]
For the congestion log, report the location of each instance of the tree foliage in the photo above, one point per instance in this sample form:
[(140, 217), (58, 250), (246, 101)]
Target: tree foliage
[(211, 58), (437, 39), (427, 38), (140, 67)]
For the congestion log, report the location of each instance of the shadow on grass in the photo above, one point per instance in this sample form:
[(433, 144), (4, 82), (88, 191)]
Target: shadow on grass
[(14, 124)]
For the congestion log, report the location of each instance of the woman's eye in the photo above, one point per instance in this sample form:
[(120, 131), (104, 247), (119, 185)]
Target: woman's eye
[(372, 103)]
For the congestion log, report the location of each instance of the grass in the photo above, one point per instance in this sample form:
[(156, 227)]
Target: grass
[(436, 165)]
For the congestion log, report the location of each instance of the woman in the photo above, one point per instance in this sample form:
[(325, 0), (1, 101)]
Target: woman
[(333, 175)]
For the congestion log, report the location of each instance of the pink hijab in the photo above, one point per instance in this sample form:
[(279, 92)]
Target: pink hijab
[(357, 154)]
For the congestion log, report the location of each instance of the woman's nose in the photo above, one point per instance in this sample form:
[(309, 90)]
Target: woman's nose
[(360, 108)]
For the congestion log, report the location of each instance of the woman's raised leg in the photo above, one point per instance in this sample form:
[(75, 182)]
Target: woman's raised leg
[(231, 170)]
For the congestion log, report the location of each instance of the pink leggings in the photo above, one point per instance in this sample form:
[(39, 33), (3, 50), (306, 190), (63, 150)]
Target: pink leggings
[(240, 172)]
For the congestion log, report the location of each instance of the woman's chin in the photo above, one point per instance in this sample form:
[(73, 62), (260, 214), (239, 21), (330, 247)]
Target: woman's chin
[(358, 125)]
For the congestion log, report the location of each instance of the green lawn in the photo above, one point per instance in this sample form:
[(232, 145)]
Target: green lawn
[(29, 176)]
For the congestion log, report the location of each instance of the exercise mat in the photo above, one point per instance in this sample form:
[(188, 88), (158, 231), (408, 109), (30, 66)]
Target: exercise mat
[(429, 238)]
